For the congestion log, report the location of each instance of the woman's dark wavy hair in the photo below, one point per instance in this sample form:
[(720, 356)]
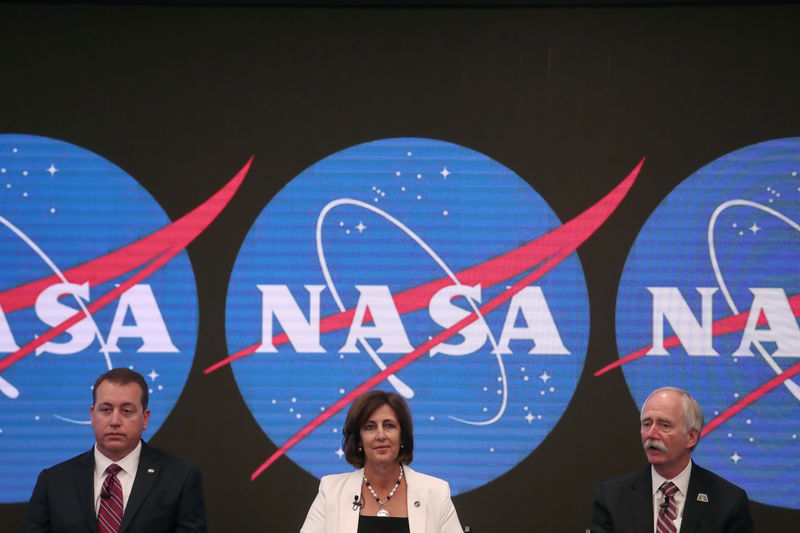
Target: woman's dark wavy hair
[(357, 418)]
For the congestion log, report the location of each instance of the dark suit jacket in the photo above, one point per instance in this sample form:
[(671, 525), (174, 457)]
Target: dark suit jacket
[(625, 505), (167, 496)]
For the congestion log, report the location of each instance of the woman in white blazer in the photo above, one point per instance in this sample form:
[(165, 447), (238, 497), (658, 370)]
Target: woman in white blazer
[(383, 495)]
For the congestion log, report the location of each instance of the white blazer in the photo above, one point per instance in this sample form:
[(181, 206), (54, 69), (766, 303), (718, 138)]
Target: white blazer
[(430, 509)]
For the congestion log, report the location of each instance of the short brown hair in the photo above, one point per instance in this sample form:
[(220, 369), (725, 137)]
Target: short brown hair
[(358, 415), (122, 376)]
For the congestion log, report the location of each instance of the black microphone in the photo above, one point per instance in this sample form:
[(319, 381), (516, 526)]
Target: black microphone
[(357, 504), (664, 506)]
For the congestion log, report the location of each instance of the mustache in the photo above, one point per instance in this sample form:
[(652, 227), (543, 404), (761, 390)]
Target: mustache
[(656, 444)]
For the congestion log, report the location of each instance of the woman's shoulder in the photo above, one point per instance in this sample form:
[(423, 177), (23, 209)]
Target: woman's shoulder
[(333, 480), (433, 482)]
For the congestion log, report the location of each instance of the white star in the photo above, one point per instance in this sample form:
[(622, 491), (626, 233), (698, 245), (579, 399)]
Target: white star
[(529, 417), (361, 227), (52, 170), (153, 374), (735, 458), (754, 228), (340, 453), (544, 377), (445, 172)]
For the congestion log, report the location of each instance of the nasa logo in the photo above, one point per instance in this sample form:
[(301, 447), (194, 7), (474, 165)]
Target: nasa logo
[(67, 221), (709, 302), (365, 256)]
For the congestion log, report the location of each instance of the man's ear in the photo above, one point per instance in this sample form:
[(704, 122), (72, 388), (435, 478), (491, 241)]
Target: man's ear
[(693, 438)]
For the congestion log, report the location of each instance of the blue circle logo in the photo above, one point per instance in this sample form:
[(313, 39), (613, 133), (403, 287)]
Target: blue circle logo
[(709, 302), (89, 282), (371, 253)]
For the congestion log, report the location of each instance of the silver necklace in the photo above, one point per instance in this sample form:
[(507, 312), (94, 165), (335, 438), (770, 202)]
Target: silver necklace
[(383, 512)]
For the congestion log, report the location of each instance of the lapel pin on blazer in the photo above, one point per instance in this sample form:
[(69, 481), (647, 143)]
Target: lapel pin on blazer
[(416, 503), (153, 471), (702, 497)]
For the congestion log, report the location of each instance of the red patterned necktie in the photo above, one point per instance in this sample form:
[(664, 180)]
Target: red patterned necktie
[(110, 515), (667, 513)]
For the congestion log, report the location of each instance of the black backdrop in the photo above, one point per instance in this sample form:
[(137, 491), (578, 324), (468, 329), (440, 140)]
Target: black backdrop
[(570, 98)]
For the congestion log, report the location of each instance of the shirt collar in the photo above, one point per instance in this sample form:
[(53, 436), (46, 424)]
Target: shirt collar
[(129, 463), (681, 480)]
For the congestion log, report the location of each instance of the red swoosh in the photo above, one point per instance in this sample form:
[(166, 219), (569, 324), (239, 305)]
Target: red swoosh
[(724, 326), (154, 251), (488, 273)]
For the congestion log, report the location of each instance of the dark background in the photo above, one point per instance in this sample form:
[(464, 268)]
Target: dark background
[(569, 96)]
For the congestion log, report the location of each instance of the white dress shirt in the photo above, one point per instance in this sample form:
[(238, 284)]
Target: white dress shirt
[(126, 476), (682, 482)]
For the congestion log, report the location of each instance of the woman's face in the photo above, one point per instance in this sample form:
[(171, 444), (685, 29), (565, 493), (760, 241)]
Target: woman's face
[(380, 436)]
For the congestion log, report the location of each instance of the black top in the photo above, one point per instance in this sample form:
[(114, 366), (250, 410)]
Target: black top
[(382, 524)]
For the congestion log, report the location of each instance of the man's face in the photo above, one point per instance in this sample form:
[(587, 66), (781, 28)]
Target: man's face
[(665, 440), (118, 418)]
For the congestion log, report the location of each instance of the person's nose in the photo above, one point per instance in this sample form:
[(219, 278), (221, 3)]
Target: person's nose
[(380, 435), (116, 418)]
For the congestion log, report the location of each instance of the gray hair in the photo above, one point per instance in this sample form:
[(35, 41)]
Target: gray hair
[(691, 415)]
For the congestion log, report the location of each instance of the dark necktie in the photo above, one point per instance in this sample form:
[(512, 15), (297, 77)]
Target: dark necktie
[(667, 513), (110, 515)]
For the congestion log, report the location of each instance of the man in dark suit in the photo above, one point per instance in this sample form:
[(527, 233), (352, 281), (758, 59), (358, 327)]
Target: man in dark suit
[(121, 485), (672, 494)]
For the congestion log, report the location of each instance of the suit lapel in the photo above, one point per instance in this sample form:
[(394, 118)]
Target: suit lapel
[(640, 501), (693, 509), (415, 501), (147, 473), (84, 485), (348, 520)]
